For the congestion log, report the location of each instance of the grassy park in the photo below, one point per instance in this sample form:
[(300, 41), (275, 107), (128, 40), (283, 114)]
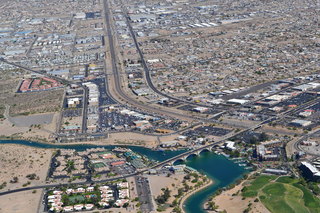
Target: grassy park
[(282, 195)]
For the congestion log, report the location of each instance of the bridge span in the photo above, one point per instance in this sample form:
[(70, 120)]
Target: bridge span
[(209, 147)]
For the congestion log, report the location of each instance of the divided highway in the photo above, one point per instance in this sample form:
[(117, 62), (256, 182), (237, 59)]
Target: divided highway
[(117, 78)]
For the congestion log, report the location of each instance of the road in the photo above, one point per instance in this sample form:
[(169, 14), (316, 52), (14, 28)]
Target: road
[(163, 163), (67, 184), (116, 79), (62, 80), (85, 109), (294, 145), (147, 70)]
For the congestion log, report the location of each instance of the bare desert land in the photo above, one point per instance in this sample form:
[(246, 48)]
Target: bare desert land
[(23, 166), (21, 202)]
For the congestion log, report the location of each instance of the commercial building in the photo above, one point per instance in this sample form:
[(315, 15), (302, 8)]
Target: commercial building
[(300, 123), (167, 144), (310, 171), (237, 101), (230, 145), (265, 154), (276, 171)]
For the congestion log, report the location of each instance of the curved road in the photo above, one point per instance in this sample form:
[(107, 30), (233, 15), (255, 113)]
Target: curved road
[(117, 81), (147, 70)]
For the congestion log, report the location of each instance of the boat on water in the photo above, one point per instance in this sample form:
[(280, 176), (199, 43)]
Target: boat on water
[(236, 159)]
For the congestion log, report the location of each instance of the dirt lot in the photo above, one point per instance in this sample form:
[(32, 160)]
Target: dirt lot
[(20, 161), (21, 202), (35, 102), (26, 103), (7, 90)]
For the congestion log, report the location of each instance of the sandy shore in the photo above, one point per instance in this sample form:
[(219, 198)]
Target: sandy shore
[(116, 139), (98, 143), (235, 204), (173, 183), (184, 198)]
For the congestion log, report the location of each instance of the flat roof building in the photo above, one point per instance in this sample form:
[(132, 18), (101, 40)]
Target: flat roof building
[(301, 123), (310, 171), (237, 101)]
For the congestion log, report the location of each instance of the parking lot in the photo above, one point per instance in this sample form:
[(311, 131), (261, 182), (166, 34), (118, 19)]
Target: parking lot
[(210, 111), (174, 125), (207, 130), (104, 98), (113, 119), (124, 169), (143, 189), (297, 100), (72, 112)]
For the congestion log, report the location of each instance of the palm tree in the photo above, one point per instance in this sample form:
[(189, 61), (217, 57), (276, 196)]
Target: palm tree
[(212, 205)]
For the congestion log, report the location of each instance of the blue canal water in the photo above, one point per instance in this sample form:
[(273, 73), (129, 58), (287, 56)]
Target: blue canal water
[(217, 167), (152, 154)]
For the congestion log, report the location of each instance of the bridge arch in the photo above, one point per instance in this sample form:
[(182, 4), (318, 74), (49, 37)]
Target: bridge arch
[(180, 160), (195, 154), (205, 150)]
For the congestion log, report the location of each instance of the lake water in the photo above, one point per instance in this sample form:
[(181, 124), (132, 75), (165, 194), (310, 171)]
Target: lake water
[(217, 167)]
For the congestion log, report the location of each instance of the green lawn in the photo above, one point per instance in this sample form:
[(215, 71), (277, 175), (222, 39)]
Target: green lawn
[(286, 179), (310, 201), (285, 195), (256, 185), (99, 165), (76, 199)]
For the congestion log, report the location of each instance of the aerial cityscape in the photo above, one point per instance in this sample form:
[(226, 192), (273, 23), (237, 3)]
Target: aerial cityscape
[(185, 106)]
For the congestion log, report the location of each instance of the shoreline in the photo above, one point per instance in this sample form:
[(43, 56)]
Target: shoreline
[(93, 143), (236, 187), (184, 198)]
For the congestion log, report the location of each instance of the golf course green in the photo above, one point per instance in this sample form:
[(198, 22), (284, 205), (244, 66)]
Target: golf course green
[(282, 195)]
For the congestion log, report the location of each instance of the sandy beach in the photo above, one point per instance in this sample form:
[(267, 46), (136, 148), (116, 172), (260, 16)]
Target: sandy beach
[(173, 183), (235, 204), (184, 198)]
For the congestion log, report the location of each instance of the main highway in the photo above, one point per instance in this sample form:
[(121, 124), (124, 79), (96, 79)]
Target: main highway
[(116, 79), (123, 95)]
